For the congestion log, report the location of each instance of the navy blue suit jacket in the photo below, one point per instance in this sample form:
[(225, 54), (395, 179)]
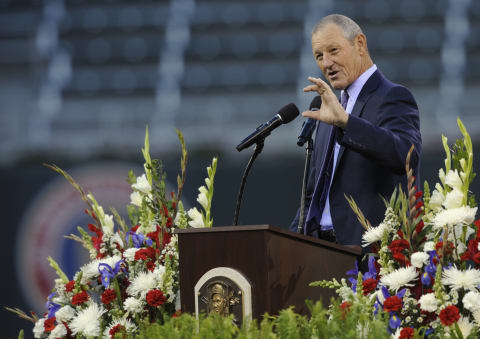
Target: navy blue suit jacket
[(382, 127)]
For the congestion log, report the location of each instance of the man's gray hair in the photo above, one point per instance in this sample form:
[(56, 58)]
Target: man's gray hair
[(349, 27)]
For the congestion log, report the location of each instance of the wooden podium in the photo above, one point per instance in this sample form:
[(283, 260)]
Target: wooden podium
[(278, 264)]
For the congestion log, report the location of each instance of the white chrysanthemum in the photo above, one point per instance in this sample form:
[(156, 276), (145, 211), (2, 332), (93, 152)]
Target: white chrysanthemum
[(471, 301), (127, 324), (58, 332), (136, 199), (142, 283), (142, 185), (453, 180), (428, 302), (39, 328), (202, 197), (90, 270), (456, 279), (429, 246), (87, 321), (129, 253), (400, 277), (65, 313), (133, 305), (436, 200), (197, 218), (375, 234), (419, 259), (464, 215)]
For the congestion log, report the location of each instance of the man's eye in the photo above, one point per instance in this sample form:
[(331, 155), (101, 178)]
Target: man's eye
[(334, 50), (319, 56)]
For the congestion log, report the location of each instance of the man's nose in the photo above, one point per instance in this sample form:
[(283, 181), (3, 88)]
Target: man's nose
[(326, 62)]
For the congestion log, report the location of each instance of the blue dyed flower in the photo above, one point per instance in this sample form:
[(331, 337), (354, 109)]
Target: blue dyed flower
[(426, 280), (51, 306), (108, 273), (138, 239), (394, 322)]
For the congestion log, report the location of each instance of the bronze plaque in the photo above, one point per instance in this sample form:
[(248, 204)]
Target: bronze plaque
[(221, 295)]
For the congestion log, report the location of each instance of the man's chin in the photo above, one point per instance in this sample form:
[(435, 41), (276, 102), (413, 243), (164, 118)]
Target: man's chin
[(336, 84)]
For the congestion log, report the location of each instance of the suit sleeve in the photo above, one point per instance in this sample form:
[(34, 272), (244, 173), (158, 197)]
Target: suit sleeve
[(388, 140)]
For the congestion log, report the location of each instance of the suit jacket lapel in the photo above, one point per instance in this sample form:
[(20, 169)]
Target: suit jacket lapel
[(370, 86)]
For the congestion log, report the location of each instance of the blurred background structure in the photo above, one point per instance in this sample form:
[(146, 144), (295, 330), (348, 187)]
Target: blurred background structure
[(80, 81)]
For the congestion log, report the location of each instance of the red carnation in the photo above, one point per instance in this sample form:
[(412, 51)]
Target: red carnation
[(398, 245), (392, 304), (154, 236), (70, 286), (151, 265), (49, 324), (108, 296), (119, 328), (418, 194), (406, 333), (145, 253), (369, 285), (80, 298), (155, 298), (449, 315)]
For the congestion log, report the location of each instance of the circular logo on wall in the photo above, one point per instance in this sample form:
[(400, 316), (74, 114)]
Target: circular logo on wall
[(58, 210)]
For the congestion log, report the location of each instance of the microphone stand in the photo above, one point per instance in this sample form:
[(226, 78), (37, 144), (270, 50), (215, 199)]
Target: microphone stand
[(258, 150), (309, 149)]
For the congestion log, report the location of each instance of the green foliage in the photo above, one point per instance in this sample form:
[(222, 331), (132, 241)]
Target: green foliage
[(334, 322)]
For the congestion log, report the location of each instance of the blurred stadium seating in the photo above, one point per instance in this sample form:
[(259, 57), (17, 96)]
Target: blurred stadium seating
[(83, 77)]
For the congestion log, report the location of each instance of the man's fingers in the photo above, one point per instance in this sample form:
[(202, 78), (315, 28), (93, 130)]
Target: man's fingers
[(319, 82), (312, 114), (311, 88)]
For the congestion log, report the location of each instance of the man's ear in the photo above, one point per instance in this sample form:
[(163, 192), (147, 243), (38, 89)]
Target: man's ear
[(361, 43)]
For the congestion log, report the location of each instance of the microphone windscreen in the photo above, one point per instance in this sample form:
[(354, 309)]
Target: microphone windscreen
[(316, 102), (288, 112)]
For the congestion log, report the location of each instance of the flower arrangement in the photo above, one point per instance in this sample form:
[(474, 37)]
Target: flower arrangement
[(424, 269), (132, 277)]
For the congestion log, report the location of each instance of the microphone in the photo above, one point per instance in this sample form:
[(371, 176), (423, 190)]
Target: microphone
[(286, 114), (309, 125)]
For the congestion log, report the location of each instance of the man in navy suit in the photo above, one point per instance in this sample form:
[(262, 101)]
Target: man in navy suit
[(361, 142)]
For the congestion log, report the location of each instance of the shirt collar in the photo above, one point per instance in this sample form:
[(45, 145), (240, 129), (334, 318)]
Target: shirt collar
[(354, 89)]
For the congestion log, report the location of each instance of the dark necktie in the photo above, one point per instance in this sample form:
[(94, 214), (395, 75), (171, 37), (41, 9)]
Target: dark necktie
[(322, 186)]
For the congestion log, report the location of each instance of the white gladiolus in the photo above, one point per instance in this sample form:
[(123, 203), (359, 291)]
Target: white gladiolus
[(197, 218), (107, 224), (142, 185), (208, 182), (136, 199), (453, 199), (441, 175), (419, 259), (453, 180), (436, 200), (202, 197)]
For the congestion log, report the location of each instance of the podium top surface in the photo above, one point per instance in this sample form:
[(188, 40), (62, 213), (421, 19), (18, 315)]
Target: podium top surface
[(270, 228)]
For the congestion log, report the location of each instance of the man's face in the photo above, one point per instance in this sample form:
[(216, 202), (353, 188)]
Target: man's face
[(339, 59)]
